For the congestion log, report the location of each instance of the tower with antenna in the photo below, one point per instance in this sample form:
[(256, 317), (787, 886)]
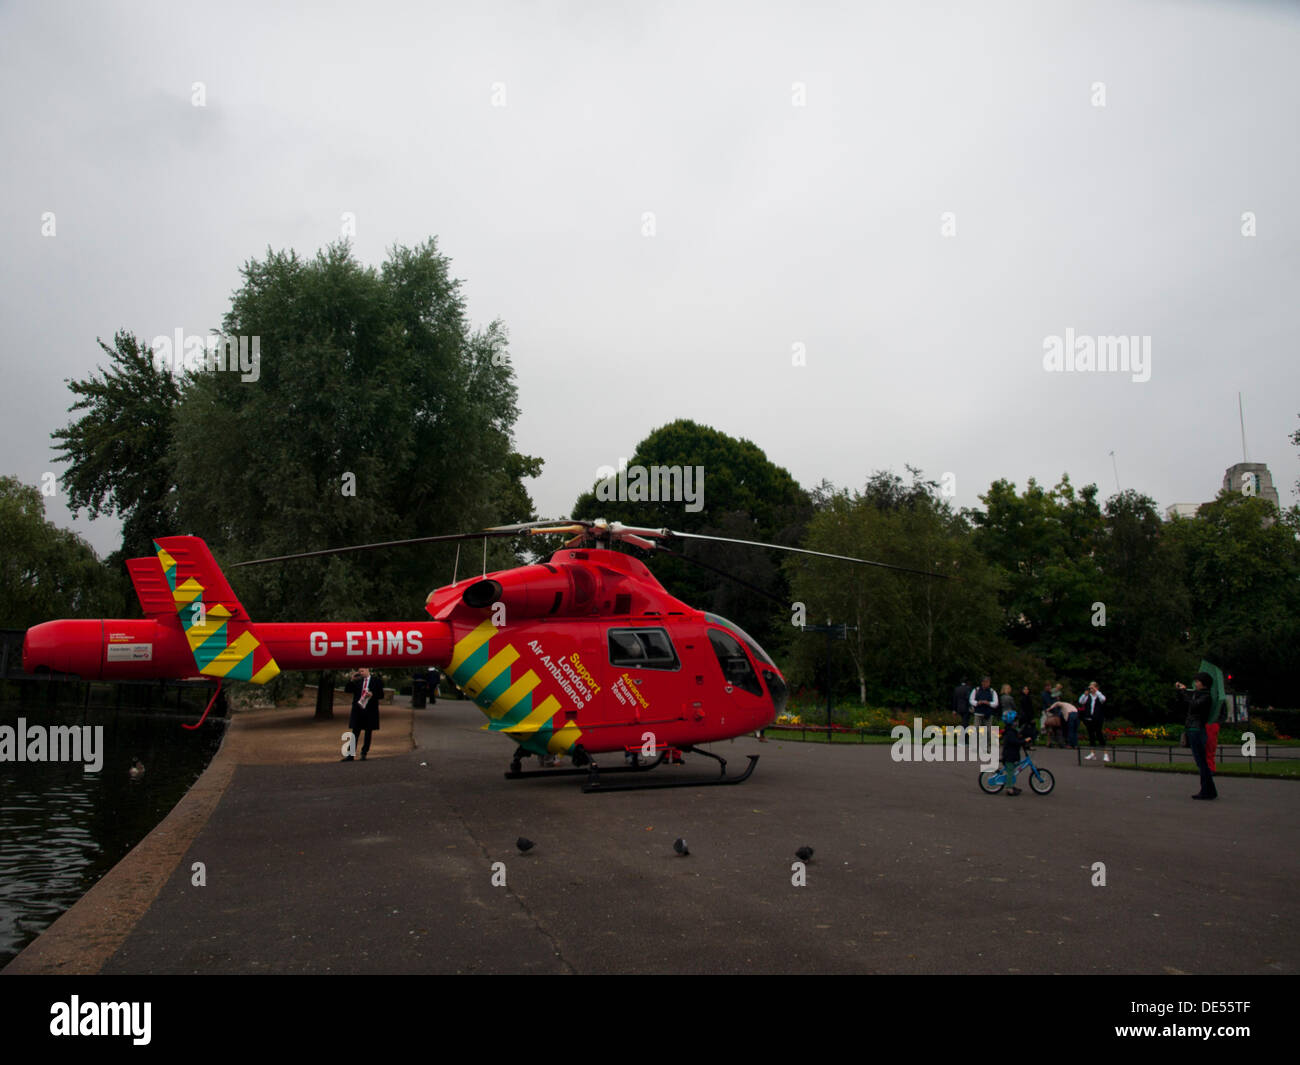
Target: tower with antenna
[(1249, 478), (1246, 477)]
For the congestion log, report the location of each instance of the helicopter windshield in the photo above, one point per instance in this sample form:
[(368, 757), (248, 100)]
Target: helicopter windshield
[(735, 664), (749, 641)]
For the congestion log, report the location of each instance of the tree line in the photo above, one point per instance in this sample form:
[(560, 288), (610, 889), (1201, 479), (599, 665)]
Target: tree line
[(379, 413)]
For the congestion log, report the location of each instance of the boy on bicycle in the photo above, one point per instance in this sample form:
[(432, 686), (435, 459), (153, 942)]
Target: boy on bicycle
[(1011, 750)]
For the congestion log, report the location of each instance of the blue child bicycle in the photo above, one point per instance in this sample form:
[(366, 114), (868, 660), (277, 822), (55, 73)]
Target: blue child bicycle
[(1040, 780)]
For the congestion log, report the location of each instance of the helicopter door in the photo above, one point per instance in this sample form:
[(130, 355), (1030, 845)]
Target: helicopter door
[(636, 654)]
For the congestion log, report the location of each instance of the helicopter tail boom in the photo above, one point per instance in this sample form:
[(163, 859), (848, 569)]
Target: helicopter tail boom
[(195, 625)]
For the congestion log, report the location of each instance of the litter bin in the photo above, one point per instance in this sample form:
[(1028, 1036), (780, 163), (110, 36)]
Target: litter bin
[(419, 693)]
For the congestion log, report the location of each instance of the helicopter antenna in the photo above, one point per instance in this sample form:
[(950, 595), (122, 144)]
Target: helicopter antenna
[(1241, 414), (485, 556), (455, 566)]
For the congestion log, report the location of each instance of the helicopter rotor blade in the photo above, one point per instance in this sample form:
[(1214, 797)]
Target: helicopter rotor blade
[(449, 538), (540, 525), (805, 551), (559, 525), (621, 530)]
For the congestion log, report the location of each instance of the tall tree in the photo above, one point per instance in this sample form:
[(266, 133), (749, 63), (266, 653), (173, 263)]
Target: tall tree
[(118, 451), (378, 413), (908, 633), (1044, 544), (1146, 608)]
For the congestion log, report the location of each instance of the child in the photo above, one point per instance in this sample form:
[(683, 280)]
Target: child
[(1054, 726), (1011, 747)]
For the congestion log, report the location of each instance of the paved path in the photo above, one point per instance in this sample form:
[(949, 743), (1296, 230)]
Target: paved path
[(386, 866)]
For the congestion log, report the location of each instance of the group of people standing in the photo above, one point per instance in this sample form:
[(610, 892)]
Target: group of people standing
[(1058, 717)]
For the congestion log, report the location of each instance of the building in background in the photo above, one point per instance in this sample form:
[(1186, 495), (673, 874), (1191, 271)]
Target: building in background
[(1252, 479), (1249, 478)]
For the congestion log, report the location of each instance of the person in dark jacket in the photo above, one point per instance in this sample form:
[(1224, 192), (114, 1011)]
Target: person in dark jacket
[(961, 702), (1200, 709), (366, 690), (1028, 730), (1026, 705)]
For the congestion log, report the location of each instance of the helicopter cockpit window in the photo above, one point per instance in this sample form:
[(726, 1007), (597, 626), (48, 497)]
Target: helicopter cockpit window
[(736, 667), (759, 654), (642, 649)]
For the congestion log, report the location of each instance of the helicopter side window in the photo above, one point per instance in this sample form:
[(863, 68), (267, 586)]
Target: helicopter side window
[(735, 664), (642, 649)]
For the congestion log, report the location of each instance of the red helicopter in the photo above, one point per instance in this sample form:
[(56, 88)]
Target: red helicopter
[(582, 655)]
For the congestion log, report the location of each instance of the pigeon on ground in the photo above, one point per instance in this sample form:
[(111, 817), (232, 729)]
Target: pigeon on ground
[(804, 854), (679, 845), (524, 845)]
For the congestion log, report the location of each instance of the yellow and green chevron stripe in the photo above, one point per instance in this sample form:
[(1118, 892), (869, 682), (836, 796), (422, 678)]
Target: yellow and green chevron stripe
[(221, 647), (505, 693)]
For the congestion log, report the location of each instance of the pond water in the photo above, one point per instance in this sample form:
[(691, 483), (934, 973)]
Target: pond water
[(62, 828)]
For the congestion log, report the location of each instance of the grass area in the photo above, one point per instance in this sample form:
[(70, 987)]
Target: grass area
[(1272, 770)]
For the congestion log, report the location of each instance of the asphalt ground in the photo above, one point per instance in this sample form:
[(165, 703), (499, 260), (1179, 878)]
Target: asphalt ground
[(386, 866)]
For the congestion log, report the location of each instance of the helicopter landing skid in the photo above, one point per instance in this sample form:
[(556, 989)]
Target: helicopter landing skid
[(594, 782), (517, 771)]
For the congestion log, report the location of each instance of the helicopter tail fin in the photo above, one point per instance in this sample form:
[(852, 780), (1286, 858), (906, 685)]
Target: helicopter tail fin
[(184, 581)]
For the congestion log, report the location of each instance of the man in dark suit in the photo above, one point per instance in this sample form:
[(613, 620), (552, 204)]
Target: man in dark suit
[(366, 689)]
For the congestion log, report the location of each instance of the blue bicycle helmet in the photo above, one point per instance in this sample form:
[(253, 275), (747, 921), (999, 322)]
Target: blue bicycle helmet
[(1009, 717)]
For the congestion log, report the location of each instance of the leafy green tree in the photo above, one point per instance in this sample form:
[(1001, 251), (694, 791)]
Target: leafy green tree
[(1045, 544), (1241, 569), (909, 634), (1146, 608), (378, 414), (118, 451), (46, 572), (744, 496)]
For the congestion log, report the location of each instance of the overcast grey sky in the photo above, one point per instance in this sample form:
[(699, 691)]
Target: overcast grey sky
[(800, 162)]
